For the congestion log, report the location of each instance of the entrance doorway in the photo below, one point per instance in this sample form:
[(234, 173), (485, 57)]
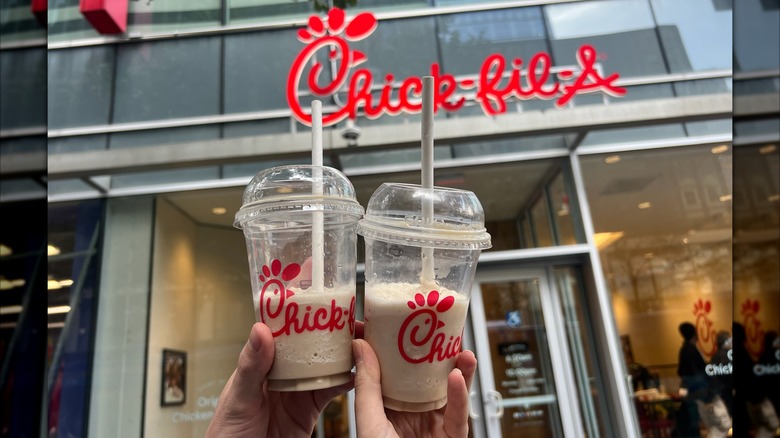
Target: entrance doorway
[(538, 369)]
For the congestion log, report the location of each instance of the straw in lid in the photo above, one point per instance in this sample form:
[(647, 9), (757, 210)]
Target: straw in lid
[(394, 214), (289, 188)]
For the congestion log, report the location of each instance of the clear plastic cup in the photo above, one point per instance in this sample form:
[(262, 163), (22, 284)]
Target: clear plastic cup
[(313, 322), (419, 271)]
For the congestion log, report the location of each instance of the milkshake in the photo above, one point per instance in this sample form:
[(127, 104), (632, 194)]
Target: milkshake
[(417, 335), (301, 247), (313, 334), (419, 270)]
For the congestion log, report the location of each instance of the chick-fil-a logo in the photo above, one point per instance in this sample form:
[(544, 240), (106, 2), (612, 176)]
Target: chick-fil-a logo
[(491, 88), (705, 332), (276, 300), (754, 333), (421, 330)]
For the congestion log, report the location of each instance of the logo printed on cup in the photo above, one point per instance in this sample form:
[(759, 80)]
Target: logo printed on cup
[(295, 320), (422, 328)]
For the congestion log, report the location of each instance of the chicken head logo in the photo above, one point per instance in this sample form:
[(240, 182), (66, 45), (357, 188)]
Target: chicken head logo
[(705, 332)]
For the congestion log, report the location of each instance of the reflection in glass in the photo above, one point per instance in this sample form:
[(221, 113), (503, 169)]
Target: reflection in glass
[(540, 217), (663, 229), (694, 34), (624, 37), (520, 357)]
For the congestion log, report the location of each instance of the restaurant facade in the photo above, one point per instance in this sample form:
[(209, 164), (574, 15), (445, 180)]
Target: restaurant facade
[(625, 156)]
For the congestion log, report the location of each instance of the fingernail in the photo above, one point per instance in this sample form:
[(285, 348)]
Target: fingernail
[(459, 372), (254, 340)]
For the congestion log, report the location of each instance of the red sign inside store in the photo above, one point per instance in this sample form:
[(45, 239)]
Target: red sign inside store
[(497, 81)]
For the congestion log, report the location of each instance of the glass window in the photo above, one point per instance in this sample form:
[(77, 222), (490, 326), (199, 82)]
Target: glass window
[(256, 69), (498, 147), (78, 143), (756, 35), (256, 127), (666, 251), (158, 80), (564, 219), (706, 86), (644, 133), (398, 156), (540, 219), (528, 233), (69, 186), (622, 32), (67, 23), (17, 23), (80, 83), (171, 15), (164, 177), (23, 88), (467, 39), (694, 34), (709, 127), (252, 11), (153, 137)]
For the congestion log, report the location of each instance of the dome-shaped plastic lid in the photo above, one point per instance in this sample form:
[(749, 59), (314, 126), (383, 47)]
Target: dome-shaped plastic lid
[(395, 214), (292, 188)]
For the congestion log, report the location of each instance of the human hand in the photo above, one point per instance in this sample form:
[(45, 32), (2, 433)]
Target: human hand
[(247, 409), (375, 421)]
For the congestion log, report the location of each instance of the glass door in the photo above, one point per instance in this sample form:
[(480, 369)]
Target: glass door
[(527, 383)]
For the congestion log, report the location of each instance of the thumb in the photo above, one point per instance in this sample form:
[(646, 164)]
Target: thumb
[(368, 388), (254, 363)]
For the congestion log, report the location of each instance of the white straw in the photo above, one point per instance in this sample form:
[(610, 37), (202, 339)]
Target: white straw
[(318, 231), (427, 276)]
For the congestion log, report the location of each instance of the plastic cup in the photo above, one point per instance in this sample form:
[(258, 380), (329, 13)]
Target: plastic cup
[(415, 321), (313, 322)]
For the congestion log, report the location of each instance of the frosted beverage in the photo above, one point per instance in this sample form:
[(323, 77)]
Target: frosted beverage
[(312, 322), (427, 328), (419, 271)]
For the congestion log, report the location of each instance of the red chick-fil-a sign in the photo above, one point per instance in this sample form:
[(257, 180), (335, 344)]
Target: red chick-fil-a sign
[(492, 87)]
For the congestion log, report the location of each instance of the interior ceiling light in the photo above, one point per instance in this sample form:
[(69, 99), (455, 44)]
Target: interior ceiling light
[(58, 309), (773, 198), (10, 310), (643, 205), (4, 250), (768, 149), (720, 149), (52, 250), (10, 284), (65, 283), (725, 198), (612, 159), (53, 284), (606, 239), (284, 190), (219, 210)]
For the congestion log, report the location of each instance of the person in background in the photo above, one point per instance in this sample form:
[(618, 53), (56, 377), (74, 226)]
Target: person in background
[(722, 357), (693, 382)]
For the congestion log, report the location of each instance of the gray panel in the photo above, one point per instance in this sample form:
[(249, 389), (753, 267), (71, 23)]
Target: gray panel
[(153, 137), (167, 79), (80, 86), (22, 88)]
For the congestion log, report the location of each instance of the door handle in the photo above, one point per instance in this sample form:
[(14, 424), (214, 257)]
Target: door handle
[(494, 397), (474, 415)]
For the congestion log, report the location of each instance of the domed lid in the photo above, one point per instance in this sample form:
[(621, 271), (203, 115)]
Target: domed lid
[(291, 188), (395, 214)]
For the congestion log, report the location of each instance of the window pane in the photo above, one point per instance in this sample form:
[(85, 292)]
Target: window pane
[(706, 86), (164, 177), (23, 88), (256, 69), (67, 23), (564, 217), (610, 136), (622, 32), (154, 16), (540, 215), (153, 137), (663, 225), (244, 11), (256, 127), (756, 35), (694, 33), (80, 86), (167, 79), (467, 39), (78, 144), (17, 23), (498, 147)]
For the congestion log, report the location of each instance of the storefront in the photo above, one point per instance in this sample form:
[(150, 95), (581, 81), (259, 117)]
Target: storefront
[(612, 201)]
